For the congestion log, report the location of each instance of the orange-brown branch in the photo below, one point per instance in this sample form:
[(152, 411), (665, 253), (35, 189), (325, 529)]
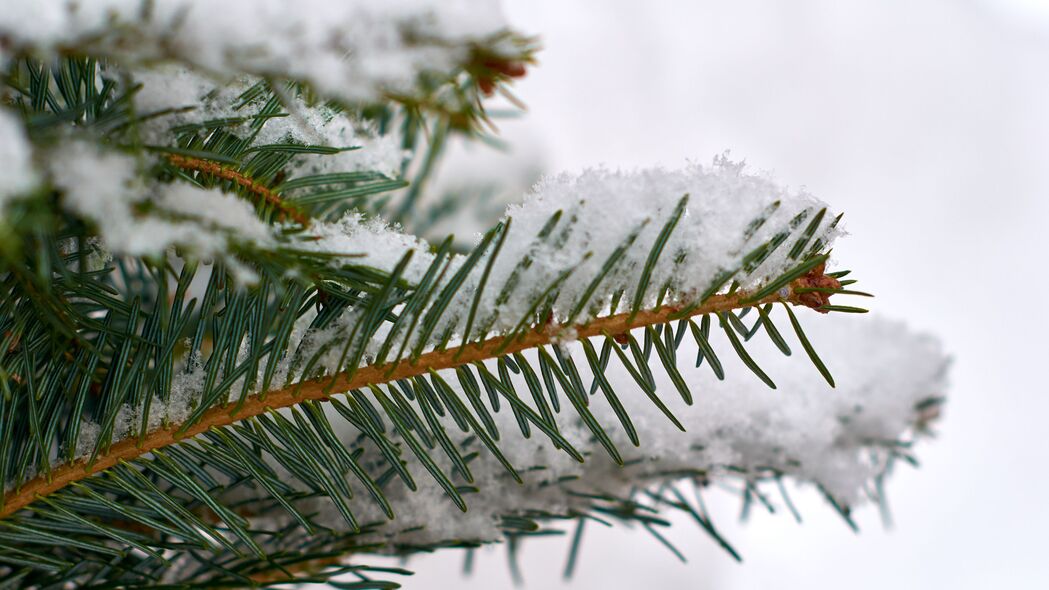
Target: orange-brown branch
[(248, 183), (322, 388)]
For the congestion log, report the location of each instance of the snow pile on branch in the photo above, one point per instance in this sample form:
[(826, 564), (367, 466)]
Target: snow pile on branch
[(138, 220), (190, 97), (597, 212), (561, 239), (602, 209), (838, 440), (372, 242), (16, 154), (356, 50)]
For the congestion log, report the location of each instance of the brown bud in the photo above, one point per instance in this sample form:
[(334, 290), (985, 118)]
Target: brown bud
[(814, 279)]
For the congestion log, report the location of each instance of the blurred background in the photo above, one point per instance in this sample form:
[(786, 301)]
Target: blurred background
[(927, 122)]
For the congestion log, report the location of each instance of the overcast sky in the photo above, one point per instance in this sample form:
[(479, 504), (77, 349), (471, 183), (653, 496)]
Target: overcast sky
[(927, 123)]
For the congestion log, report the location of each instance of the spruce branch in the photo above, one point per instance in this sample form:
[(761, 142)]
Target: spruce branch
[(373, 375), (221, 366)]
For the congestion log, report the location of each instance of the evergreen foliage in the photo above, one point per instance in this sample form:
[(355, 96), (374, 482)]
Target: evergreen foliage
[(192, 416)]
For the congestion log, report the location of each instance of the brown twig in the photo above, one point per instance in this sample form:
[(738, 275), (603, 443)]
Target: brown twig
[(227, 173), (321, 388)]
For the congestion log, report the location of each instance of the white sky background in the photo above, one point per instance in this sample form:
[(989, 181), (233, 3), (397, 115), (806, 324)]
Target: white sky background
[(927, 122)]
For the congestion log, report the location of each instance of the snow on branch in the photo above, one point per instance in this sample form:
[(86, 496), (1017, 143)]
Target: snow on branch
[(585, 259), (18, 177), (353, 50), (108, 188), (578, 242), (839, 440), (188, 98), (581, 247), (563, 236)]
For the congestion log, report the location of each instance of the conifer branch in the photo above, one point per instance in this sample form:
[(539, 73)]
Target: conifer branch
[(254, 420), (323, 387)]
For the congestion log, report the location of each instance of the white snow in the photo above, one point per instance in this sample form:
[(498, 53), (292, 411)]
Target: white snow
[(107, 188), (370, 243), (838, 439), (19, 176), (193, 97), (600, 209), (352, 49), (603, 207), (321, 125), (215, 208)]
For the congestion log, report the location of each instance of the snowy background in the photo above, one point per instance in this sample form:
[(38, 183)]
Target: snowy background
[(927, 122)]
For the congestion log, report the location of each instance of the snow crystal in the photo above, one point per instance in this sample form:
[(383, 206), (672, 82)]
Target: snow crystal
[(177, 88), (184, 394), (370, 242), (602, 208), (354, 49)]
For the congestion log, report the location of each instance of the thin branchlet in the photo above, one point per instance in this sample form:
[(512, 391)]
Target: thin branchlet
[(267, 195)]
